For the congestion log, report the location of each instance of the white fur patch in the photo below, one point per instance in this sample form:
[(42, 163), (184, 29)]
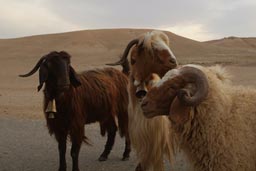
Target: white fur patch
[(172, 55), (169, 75), (160, 45), (173, 73), (136, 83), (193, 66), (155, 79), (158, 40)]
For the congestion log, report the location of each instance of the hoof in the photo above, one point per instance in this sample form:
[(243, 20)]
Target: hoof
[(102, 158), (125, 158), (62, 169)]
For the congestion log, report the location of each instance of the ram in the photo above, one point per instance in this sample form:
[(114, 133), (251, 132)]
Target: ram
[(98, 95), (149, 55), (213, 120)]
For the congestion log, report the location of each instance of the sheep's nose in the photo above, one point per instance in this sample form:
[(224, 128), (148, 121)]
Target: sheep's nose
[(141, 93), (144, 103)]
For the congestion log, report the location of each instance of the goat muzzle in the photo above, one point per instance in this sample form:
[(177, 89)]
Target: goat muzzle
[(63, 81), (141, 91), (63, 88), (51, 109)]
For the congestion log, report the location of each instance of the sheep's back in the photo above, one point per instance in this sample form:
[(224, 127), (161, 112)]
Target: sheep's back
[(225, 125)]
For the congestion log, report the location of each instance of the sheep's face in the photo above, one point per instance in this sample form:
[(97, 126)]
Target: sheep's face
[(144, 64), (158, 101), (176, 93)]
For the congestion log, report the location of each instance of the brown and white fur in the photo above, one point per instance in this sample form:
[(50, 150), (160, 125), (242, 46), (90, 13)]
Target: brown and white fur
[(146, 56), (98, 95), (214, 121)]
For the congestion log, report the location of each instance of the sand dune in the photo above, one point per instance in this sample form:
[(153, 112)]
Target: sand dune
[(248, 44), (95, 47)]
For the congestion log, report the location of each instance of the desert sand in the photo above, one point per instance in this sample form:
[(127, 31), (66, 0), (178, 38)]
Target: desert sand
[(24, 141)]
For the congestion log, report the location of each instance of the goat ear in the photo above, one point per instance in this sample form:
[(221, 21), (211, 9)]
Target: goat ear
[(179, 113), (43, 75), (75, 81)]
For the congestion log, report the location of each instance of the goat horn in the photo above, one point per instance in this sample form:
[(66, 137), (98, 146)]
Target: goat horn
[(123, 59), (196, 76), (35, 68)]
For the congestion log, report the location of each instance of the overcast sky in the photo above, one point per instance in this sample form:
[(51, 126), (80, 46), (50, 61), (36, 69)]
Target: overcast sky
[(196, 19)]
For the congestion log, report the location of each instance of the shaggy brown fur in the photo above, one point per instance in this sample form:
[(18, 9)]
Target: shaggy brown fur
[(150, 138), (98, 95), (104, 86), (150, 55)]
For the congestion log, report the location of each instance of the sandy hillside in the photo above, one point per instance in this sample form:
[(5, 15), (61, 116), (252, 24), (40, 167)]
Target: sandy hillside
[(23, 136), (94, 48), (235, 42)]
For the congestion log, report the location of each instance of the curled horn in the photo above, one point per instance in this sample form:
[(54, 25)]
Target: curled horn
[(123, 61), (35, 68), (197, 77)]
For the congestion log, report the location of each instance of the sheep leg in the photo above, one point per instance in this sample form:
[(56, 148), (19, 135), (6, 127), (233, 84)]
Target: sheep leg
[(110, 141), (75, 154), (127, 149), (62, 152)]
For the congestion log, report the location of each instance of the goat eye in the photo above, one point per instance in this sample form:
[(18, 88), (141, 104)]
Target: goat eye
[(48, 64)]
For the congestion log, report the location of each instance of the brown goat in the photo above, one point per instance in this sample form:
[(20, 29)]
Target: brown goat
[(98, 95), (150, 54)]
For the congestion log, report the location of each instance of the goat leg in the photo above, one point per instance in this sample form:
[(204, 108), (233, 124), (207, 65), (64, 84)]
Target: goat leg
[(62, 152), (110, 142), (127, 149), (75, 154)]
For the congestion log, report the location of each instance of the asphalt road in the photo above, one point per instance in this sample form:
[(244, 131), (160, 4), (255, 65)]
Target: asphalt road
[(25, 145)]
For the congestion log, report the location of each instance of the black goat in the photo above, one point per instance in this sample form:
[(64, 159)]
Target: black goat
[(98, 95)]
